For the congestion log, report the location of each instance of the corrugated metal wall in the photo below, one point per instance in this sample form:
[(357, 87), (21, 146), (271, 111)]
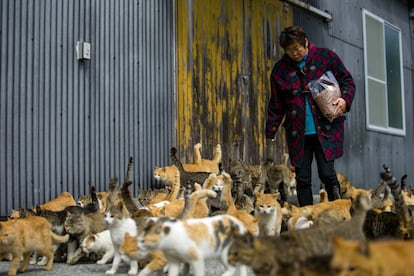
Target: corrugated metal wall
[(225, 55), (67, 124)]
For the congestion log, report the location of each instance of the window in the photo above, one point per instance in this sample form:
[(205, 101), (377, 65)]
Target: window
[(383, 75)]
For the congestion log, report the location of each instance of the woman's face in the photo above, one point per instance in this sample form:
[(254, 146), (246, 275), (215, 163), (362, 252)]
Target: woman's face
[(297, 51)]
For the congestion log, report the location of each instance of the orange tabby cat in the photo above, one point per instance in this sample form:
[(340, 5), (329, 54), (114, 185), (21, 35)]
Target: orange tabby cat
[(377, 258), (22, 237), (341, 205), (59, 203), (268, 209), (170, 206)]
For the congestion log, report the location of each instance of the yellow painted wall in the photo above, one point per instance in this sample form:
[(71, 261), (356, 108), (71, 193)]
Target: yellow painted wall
[(225, 52)]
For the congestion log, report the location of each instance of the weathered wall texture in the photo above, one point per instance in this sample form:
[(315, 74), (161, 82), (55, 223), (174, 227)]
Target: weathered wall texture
[(226, 50)]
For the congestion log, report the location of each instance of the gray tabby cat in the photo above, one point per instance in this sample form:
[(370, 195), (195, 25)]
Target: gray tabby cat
[(192, 177)]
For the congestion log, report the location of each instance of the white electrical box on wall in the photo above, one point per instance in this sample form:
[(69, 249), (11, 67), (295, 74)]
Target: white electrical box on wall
[(83, 50)]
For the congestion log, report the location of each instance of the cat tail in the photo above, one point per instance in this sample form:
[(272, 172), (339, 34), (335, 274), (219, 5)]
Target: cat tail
[(406, 229), (127, 198), (195, 197), (129, 169), (187, 195), (175, 161), (111, 196), (59, 239)]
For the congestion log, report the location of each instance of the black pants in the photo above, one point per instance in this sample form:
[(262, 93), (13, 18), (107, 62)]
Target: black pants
[(326, 172)]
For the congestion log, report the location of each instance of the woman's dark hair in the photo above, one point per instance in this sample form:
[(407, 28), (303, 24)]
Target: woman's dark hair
[(291, 35)]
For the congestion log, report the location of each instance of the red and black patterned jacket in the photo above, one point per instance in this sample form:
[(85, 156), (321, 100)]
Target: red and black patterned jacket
[(289, 89)]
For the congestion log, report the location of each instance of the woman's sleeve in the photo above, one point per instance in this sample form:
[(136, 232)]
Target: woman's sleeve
[(275, 109)]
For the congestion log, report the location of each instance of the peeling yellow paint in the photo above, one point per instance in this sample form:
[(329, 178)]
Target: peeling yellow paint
[(223, 65)]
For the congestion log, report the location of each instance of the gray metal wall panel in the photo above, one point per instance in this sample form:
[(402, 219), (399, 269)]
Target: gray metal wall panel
[(365, 151), (66, 124)]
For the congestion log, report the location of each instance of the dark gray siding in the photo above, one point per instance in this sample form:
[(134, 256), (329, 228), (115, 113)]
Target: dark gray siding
[(366, 151), (67, 124)]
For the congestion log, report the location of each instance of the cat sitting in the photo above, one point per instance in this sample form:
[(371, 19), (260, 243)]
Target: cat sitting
[(379, 258), (269, 212), (21, 237), (193, 241), (100, 244)]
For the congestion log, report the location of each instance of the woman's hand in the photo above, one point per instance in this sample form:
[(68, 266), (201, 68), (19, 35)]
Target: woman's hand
[(340, 106)]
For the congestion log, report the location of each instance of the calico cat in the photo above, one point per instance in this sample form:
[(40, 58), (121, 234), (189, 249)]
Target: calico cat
[(193, 241), (118, 220), (21, 237), (93, 199), (101, 244), (79, 226), (286, 254), (152, 261), (379, 258), (269, 212), (193, 177)]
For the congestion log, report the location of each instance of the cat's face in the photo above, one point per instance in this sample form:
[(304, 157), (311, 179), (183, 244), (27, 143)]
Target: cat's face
[(241, 250), (7, 233), (74, 223), (109, 217), (88, 245), (152, 235), (266, 203)]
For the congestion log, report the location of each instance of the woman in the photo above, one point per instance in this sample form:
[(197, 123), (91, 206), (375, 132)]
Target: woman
[(308, 132)]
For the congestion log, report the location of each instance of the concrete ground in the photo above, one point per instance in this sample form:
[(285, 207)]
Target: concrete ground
[(213, 268)]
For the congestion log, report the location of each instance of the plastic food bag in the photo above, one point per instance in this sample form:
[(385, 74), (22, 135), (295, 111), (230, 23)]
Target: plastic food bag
[(325, 91)]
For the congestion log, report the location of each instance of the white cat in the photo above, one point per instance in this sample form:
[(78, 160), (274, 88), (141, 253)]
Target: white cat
[(193, 241), (101, 244), (118, 221)]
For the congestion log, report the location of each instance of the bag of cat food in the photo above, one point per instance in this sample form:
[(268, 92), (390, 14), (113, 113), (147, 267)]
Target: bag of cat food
[(325, 91)]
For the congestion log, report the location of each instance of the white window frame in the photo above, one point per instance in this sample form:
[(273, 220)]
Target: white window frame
[(388, 129)]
